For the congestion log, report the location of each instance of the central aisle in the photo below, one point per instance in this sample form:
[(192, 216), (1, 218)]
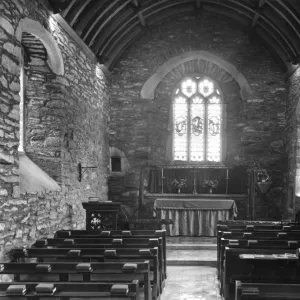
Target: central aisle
[(191, 269), (191, 283)]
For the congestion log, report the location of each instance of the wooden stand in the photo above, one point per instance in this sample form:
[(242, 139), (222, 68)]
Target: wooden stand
[(101, 215)]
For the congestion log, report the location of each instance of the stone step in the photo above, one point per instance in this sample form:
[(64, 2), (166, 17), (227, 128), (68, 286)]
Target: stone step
[(201, 246), (192, 257)]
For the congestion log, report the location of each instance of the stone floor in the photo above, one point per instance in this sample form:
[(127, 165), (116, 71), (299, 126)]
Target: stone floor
[(191, 269), (191, 283)]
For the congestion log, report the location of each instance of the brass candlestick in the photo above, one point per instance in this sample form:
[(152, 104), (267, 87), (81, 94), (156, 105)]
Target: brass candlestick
[(194, 188)]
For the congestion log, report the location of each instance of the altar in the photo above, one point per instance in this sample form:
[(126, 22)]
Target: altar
[(194, 217)]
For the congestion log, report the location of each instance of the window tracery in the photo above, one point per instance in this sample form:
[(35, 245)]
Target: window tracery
[(197, 121)]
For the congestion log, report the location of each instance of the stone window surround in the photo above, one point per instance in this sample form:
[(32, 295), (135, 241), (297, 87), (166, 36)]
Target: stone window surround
[(115, 152), (148, 89), (32, 178)]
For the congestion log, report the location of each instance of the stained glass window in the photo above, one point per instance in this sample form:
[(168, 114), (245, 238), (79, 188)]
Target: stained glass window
[(197, 119)]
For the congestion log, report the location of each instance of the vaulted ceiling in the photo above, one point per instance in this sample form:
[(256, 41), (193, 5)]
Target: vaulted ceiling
[(108, 27)]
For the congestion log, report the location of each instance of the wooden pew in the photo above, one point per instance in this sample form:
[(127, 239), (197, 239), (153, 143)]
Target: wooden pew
[(236, 227), (256, 231), (262, 235), (253, 244), (118, 234), (95, 290), (104, 242), (266, 291), (258, 226), (101, 272), (93, 254), (284, 243), (84, 233), (237, 269)]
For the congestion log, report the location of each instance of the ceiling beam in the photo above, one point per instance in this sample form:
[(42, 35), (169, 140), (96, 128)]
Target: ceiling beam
[(120, 7), (102, 44), (83, 6), (66, 11), (135, 3), (289, 11), (272, 25), (285, 18), (120, 39), (116, 28), (99, 17), (112, 33), (114, 37), (86, 18), (258, 12), (139, 12)]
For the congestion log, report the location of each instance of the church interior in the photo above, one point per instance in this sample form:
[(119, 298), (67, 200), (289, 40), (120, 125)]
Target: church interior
[(149, 149)]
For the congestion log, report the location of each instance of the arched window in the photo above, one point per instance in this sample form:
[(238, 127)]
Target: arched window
[(197, 120)]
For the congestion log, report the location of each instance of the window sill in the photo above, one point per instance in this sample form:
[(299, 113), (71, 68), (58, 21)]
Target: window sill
[(33, 179), (117, 174), (165, 195)]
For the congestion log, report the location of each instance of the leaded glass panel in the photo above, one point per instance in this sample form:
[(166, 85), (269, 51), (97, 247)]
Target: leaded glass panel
[(214, 129), (197, 114), (188, 87), (180, 137), (206, 87)]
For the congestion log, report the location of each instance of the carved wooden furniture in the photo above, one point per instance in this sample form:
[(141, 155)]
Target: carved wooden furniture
[(101, 215)]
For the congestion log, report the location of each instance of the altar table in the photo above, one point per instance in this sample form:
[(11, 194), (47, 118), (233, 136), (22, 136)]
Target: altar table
[(194, 217)]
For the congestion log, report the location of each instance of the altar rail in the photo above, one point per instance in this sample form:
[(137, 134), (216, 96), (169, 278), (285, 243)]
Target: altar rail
[(231, 180)]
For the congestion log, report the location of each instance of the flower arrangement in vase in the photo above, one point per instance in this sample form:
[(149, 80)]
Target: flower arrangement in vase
[(179, 184), (210, 184)]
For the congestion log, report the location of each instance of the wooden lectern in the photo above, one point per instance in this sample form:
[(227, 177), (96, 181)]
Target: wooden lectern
[(101, 215)]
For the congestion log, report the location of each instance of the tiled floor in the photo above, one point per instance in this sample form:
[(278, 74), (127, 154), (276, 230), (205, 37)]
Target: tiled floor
[(190, 275)]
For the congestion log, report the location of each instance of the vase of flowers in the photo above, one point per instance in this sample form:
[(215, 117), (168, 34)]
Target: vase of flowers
[(179, 184), (210, 185)]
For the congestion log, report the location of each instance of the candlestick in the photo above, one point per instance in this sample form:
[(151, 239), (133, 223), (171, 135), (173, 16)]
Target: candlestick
[(227, 178), (195, 189), (162, 180)]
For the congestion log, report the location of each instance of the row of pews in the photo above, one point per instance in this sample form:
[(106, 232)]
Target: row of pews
[(259, 261), (89, 264)]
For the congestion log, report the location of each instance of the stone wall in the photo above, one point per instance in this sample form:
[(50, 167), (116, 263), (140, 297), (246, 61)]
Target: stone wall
[(255, 125), (65, 122), (292, 138)]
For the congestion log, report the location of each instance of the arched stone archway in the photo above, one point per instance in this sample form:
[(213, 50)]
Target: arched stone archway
[(55, 60), (150, 85)]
